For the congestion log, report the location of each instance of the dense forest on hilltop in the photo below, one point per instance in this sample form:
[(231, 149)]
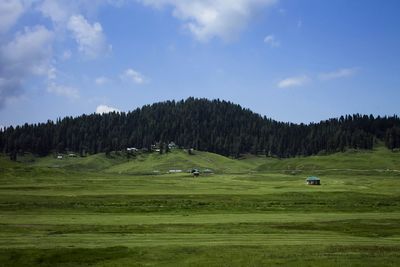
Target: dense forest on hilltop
[(215, 126)]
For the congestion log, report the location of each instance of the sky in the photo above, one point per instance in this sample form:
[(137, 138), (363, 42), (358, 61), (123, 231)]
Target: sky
[(290, 60)]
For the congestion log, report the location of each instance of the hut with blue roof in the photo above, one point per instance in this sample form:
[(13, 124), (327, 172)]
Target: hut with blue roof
[(313, 180)]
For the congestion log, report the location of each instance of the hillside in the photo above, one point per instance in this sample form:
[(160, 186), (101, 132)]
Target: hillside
[(379, 159), (180, 160), (109, 210), (145, 163), (94, 207), (208, 125)]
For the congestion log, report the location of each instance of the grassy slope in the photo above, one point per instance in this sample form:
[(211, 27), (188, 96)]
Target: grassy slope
[(256, 211), (179, 159), (90, 163), (148, 163), (378, 159)]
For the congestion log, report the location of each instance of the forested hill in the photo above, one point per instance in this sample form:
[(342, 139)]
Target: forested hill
[(215, 126)]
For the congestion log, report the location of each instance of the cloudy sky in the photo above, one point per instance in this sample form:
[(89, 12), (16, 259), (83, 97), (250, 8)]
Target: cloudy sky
[(291, 60)]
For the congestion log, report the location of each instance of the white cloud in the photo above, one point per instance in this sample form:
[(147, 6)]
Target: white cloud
[(72, 16), (62, 90), (294, 81), (271, 41), (134, 76), (101, 109), (206, 19), (51, 74), (55, 88), (66, 55), (101, 80), (29, 53), (90, 38), (57, 11), (341, 73), (10, 11)]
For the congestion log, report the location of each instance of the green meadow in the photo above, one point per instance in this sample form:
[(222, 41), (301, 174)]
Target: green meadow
[(254, 211)]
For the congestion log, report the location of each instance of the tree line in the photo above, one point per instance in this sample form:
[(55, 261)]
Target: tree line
[(210, 125)]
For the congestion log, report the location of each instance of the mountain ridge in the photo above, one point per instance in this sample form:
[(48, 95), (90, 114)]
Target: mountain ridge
[(216, 126)]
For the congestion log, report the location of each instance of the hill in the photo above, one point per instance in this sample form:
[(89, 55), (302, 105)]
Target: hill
[(215, 126), (379, 159), (144, 163)]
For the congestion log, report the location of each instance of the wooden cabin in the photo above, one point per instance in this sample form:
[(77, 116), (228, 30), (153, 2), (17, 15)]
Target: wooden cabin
[(195, 172), (313, 180)]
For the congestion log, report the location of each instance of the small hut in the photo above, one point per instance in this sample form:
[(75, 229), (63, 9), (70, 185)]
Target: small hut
[(313, 180), (195, 172)]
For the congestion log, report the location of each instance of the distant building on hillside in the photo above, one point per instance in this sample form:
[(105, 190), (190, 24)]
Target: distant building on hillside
[(172, 145), (313, 180), (195, 172), (175, 171)]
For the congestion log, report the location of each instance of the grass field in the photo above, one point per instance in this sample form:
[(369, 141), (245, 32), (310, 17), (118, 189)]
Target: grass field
[(256, 211)]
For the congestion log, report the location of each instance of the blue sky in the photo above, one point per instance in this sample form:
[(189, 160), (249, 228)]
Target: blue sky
[(298, 61)]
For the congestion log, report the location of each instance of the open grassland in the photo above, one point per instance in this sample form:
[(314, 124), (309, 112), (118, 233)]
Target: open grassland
[(256, 211)]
